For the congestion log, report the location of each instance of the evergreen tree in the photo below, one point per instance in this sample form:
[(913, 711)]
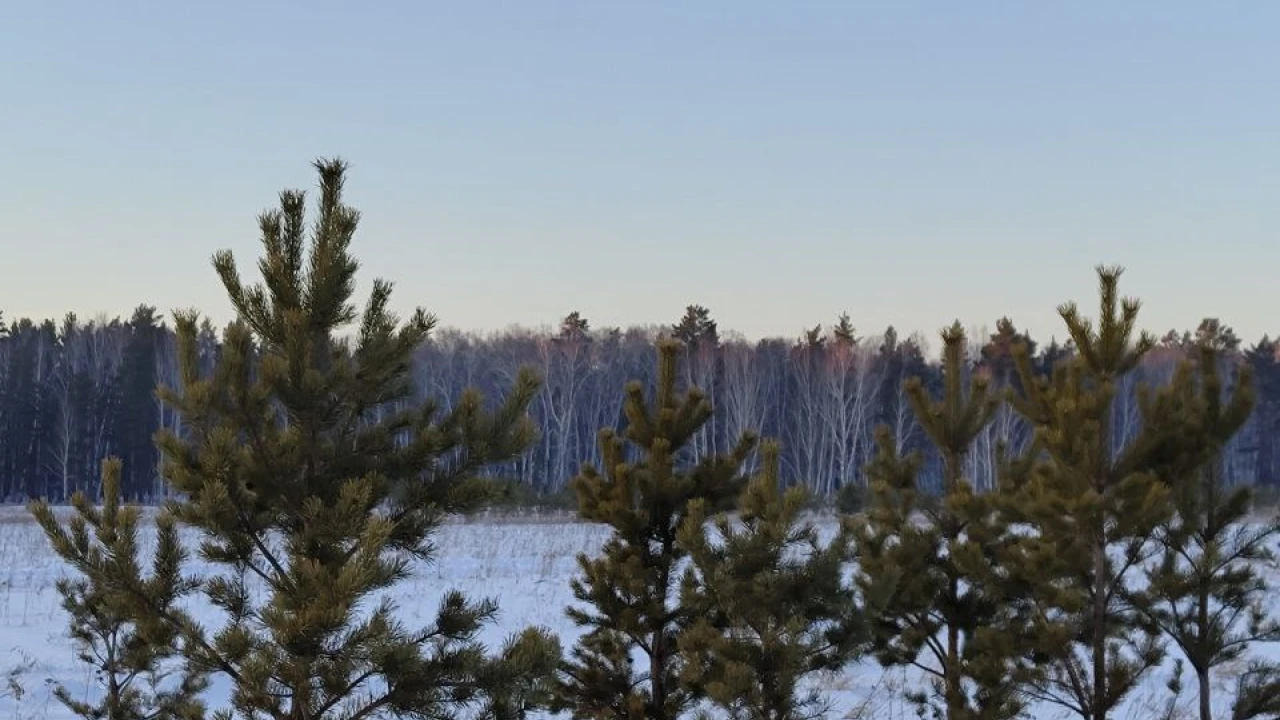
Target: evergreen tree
[(843, 332), (1205, 593), (574, 327), (631, 588), (696, 328), (313, 505), (1094, 507), (136, 380), (997, 353), (946, 614), (812, 339), (770, 603), (134, 653)]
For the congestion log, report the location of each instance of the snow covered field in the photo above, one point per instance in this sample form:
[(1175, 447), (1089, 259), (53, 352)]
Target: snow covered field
[(524, 563)]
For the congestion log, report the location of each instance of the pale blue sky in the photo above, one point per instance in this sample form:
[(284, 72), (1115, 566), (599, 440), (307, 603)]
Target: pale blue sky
[(778, 162)]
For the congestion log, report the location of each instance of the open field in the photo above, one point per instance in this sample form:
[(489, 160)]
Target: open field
[(525, 562)]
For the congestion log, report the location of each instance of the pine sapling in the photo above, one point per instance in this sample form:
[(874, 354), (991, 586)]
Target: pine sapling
[(771, 603), (315, 478), (1092, 502), (137, 658), (1205, 593), (947, 613), (628, 594)]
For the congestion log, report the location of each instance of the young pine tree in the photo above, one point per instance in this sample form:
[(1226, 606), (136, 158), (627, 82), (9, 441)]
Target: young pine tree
[(631, 589), (1093, 500), (770, 602), (314, 508), (521, 680), (136, 656), (1205, 593), (945, 615)]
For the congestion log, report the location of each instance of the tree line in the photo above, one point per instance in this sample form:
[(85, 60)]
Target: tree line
[(74, 392), (314, 477)]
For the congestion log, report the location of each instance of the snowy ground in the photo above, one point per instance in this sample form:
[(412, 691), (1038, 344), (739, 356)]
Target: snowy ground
[(524, 563)]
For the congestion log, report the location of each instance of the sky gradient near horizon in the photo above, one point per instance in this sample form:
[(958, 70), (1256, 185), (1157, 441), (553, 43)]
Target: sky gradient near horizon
[(909, 163)]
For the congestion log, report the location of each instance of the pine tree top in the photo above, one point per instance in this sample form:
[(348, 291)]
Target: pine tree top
[(956, 418)]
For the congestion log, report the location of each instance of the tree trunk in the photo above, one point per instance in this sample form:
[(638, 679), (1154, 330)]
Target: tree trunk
[(955, 700), (657, 677), (1202, 670), (1100, 629), (1206, 711)]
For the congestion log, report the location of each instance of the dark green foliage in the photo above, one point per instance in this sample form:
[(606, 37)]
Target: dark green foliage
[(946, 614), (1094, 507), (1257, 692), (770, 602), (843, 333), (521, 679), (1205, 593), (135, 655), (696, 328), (574, 328), (300, 492), (851, 498), (630, 589), (137, 402)]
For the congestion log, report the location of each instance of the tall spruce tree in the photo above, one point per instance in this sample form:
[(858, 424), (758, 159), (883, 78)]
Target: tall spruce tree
[(770, 602), (310, 505), (631, 590), (1093, 502), (135, 654), (1205, 592), (946, 615)]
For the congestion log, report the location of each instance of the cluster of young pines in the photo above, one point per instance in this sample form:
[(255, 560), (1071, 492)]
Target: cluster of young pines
[(1083, 570)]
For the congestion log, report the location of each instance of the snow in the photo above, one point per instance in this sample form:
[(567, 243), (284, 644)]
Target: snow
[(524, 563)]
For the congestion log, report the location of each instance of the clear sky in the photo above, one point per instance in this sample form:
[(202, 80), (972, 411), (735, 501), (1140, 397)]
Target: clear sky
[(778, 162)]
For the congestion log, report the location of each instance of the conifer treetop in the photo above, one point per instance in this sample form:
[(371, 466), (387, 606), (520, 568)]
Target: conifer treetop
[(1111, 350), (955, 419)]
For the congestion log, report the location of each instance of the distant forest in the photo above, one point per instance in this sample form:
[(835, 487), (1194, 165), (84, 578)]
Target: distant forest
[(73, 393)]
